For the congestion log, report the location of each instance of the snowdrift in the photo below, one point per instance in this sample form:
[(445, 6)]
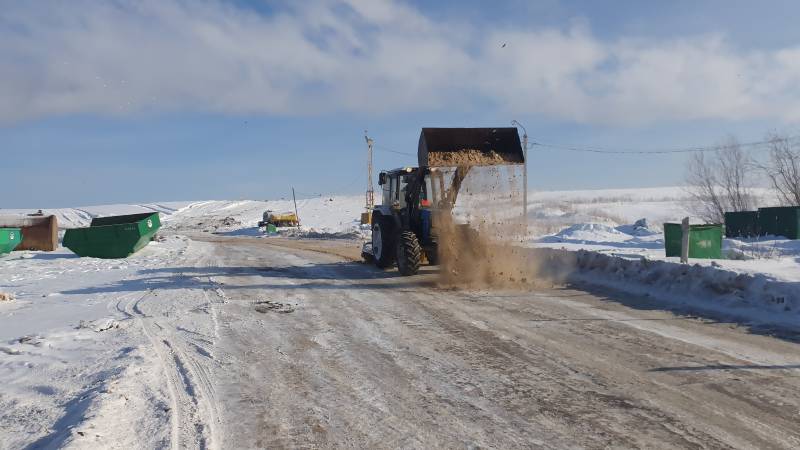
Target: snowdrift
[(752, 297)]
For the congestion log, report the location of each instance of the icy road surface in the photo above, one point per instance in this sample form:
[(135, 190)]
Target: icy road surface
[(257, 343)]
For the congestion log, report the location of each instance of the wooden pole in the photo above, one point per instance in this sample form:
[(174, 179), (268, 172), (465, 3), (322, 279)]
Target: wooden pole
[(294, 199)]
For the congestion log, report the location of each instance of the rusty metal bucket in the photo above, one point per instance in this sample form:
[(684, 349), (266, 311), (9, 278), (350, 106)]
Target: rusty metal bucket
[(452, 147), (38, 232)]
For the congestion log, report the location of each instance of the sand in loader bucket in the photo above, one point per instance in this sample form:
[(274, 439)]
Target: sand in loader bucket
[(481, 241), (472, 157)]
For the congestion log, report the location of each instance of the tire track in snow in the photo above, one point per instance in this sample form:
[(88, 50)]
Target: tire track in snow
[(192, 399)]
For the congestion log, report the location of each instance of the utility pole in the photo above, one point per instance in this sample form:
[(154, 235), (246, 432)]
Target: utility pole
[(370, 191), (524, 173), (294, 199)]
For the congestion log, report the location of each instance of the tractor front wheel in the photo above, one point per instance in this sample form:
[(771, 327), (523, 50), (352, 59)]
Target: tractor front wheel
[(382, 243), (409, 253)]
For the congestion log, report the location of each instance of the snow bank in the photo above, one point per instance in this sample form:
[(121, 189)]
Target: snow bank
[(751, 297), (775, 257)]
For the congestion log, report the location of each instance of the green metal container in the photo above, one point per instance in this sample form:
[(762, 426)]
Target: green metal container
[(780, 221), (113, 237), (10, 238), (742, 224), (705, 241), (672, 239)]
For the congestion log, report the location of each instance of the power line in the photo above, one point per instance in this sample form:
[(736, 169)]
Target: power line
[(574, 148), (623, 151), (384, 149)]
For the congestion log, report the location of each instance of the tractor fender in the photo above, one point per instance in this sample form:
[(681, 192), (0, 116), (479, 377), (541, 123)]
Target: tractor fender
[(386, 211)]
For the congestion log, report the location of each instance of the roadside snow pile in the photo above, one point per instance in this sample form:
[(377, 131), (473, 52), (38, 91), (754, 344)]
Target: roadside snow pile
[(752, 297), (778, 258)]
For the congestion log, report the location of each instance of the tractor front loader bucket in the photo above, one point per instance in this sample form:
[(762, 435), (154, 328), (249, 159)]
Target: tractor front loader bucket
[(113, 237), (453, 147)]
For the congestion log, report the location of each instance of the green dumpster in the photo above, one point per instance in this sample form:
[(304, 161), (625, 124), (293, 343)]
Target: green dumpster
[(705, 241), (9, 239), (113, 237), (741, 224), (780, 221)]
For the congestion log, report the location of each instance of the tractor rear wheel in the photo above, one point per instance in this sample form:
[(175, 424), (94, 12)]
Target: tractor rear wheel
[(383, 246), (409, 253)]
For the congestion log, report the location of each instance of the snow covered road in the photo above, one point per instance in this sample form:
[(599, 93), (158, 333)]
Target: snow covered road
[(237, 342)]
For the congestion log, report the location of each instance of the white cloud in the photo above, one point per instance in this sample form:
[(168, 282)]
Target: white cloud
[(382, 56)]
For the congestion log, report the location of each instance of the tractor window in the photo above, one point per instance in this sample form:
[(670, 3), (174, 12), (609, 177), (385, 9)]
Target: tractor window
[(387, 198), (393, 193), (434, 183), (401, 192), (427, 191)]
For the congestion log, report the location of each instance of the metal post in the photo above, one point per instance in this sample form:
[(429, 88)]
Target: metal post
[(525, 179), (685, 240), (370, 191), (294, 199), (524, 174)]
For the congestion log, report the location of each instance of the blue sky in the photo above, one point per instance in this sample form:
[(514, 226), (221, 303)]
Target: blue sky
[(141, 101)]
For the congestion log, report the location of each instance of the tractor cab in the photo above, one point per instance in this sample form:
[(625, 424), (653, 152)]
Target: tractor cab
[(395, 184)]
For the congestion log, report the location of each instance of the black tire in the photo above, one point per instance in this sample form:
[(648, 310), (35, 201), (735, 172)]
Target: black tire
[(409, 253), (432, 252), (383, 243)]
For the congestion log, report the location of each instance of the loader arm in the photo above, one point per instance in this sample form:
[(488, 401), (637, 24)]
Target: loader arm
[(451, 195), (413, 191)]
